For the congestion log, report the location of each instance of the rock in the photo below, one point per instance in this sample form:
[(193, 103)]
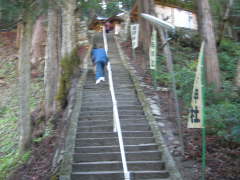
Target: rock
[(2, 83), (161, 124), (155, 109), (164, 132), (162, 89), (176, 153), (35, 74), (176, 142), (170, 138)]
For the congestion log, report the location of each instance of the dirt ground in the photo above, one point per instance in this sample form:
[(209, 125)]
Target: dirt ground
[(223, 158)]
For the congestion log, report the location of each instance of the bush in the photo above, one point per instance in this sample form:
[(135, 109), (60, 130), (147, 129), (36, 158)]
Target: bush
[(222, 108), (224, 119), (163, 76), (229, 53), (184, 81), (229, 92)]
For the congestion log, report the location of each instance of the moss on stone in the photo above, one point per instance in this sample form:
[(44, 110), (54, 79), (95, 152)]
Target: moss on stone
[(70, 63)]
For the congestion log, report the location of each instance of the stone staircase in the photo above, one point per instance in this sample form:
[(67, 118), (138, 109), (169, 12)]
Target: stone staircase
[(97, 154)]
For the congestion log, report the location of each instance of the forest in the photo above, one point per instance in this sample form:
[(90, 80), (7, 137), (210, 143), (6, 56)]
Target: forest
[(46, 44)]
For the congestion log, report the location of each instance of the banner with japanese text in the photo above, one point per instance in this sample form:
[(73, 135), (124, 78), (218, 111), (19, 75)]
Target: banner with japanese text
[(153, 50), (135, 35), (196, 110)]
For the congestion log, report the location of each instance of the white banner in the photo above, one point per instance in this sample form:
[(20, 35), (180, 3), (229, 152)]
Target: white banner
[(153, 50), (196, 111), (134, 35)]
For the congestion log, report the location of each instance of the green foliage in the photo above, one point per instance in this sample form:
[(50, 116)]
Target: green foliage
[(111, 9), (223, 115), (218, 8), (228, 92), (187, 4), (222, 108), (10, 11), (13, 10), (48, 131), (10, 162), (69, 65), (184, 80), (223, 119), (113, 6), (184, 68), (229, 56), (235, 133), (9, 158), (162, 75), (91, 5), (9, 115), (8, 70)]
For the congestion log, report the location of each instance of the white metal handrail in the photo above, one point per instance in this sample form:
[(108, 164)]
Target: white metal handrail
[(116, 121)]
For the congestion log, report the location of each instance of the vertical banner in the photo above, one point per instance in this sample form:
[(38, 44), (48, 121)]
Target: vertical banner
[(135, 35), (153, 50), (196, 111)]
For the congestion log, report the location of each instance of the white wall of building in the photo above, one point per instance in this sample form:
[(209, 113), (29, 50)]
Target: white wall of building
[(177, 17)]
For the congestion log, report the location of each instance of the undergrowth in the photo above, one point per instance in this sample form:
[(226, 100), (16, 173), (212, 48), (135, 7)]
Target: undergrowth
[(9, 113), (222, 109)]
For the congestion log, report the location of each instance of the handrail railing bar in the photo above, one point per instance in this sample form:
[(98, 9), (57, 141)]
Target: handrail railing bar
[(116, 121)]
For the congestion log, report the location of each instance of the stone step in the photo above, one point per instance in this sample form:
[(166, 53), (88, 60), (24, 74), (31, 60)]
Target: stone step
[(107, 95), (97, 153), (115, 80), (117, 165), (123, 89), (116, 156), (124, 98), (128, 148), (109, 122), (107, 108), (110, 117), (105, 86), (125, 112), (114, 134), (108, 102), (107, 91), (103, 98), (118, 175), (111, 141), (109, 128)]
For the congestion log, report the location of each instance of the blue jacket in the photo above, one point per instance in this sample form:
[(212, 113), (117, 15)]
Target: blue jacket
[(99, 55)]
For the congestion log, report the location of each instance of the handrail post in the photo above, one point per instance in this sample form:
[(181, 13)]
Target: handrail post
[(116, 121)]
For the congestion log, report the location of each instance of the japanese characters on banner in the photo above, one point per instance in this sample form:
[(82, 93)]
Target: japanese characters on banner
[(153, 50), (196, 110), (135, 35)]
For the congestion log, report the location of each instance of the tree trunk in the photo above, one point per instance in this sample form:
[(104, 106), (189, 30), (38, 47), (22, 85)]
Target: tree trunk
[(207, 32), (145, 27), (125, 35), (18, 37), (51, 72), (68, 26), (39, 37), (224, 21), (238, 75), (24, 84)]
